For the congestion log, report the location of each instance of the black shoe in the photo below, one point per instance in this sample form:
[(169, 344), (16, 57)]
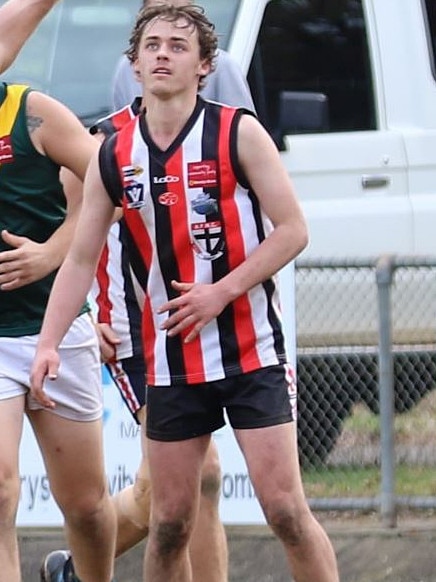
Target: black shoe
[(58, 567)]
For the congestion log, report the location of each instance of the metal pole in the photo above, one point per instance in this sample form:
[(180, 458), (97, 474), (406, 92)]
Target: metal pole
[(384, 277)]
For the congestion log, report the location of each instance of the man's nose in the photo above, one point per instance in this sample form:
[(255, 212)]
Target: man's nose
[(162, 53)]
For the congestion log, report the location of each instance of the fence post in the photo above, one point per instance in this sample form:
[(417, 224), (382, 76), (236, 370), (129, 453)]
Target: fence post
[(384, 276)]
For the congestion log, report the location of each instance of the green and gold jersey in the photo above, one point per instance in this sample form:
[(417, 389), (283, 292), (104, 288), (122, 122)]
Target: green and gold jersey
[(32, 204)]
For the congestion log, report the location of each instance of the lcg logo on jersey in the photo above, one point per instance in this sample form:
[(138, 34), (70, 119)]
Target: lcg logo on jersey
[(165, 179)]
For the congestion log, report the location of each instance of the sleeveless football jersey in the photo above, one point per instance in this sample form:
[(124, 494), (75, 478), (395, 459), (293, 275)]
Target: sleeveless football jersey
[(113, 288), (32, 204), (191, 216)]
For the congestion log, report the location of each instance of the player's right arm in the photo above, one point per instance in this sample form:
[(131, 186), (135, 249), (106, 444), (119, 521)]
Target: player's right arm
[(74, 279), (18, 19)]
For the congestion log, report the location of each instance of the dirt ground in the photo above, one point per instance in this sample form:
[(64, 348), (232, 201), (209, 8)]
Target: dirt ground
[(366, 551)]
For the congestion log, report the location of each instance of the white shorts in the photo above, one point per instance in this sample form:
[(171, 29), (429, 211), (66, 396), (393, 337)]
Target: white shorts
[(77, 391)]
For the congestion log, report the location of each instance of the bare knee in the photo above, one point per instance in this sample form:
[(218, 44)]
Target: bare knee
[(288, 521), (84, 508), (9, 496), (171, 537)]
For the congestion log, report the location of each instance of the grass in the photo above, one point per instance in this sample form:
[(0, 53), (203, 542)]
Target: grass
[(353, 468), (365, 481)]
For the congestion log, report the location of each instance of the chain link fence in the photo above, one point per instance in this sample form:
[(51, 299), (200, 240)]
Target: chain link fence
[(365, 326)]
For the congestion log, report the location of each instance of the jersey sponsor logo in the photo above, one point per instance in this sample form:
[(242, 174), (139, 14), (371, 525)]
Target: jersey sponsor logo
[(6, 153), (204, 204), (168, 199), (202, 174), (165, 179), (131, 171), (208, 241), (135, 195)]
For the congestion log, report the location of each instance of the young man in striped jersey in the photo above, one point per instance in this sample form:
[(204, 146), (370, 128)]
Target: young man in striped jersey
[(211, 216), (119, 328), (118, 318)]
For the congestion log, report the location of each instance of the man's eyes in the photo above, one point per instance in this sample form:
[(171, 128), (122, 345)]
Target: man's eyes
[(176, 47)]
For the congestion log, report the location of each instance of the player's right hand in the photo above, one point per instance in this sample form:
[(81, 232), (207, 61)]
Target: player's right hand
[(108, 340), (45, 365)]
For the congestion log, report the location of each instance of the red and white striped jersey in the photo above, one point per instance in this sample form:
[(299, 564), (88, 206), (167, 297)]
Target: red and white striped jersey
[(113, 288), (192, 216)]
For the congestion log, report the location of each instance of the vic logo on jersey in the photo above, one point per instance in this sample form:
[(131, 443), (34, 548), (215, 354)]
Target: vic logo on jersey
[(135, 195)]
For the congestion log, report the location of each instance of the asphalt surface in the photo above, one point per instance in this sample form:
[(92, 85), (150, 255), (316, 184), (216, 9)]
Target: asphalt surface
[(366, 551)]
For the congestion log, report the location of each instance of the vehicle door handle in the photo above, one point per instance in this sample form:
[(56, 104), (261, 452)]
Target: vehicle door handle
[(375, 181)]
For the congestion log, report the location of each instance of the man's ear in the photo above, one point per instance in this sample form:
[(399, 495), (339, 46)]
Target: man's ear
[(204, 68)]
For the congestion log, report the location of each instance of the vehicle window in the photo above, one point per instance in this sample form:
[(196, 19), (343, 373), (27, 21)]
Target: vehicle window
[(314, 47), (73, 53), (429, 7), (222, 13)]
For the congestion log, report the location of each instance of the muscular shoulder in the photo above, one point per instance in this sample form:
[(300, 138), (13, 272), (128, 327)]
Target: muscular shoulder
[(42, 110), (55, 131)]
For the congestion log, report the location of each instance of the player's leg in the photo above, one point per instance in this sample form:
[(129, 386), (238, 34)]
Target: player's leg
[(71, 441), (180, 420), (11, 420), (132, 504), (175, 474), (208, 545), (73, 455), (268, 440), (272, 458)]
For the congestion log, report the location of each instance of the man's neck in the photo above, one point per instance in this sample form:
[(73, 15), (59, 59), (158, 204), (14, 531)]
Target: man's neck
[(166, 117)]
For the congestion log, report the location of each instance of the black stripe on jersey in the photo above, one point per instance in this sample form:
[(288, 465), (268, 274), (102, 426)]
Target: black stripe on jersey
[(109, 170), (133, 310), (268, 285), (239, 173), (133, 255), (166, 256), (220, 266)]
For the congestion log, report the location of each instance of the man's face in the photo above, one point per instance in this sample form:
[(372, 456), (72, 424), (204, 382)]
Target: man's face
[(168, 59)]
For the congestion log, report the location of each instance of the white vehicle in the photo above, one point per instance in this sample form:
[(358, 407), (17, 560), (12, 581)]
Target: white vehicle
[(347, 89)]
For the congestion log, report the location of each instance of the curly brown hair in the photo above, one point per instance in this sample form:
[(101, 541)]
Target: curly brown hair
[(194, 18)]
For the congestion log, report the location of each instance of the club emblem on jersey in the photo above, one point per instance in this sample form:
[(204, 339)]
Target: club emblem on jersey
[(168, 199), (202, 174), (6, 153), (208, 242), (134, 193), (204, 204)]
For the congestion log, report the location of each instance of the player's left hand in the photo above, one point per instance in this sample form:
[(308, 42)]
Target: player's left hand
[(196, 306), (25, 263)]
